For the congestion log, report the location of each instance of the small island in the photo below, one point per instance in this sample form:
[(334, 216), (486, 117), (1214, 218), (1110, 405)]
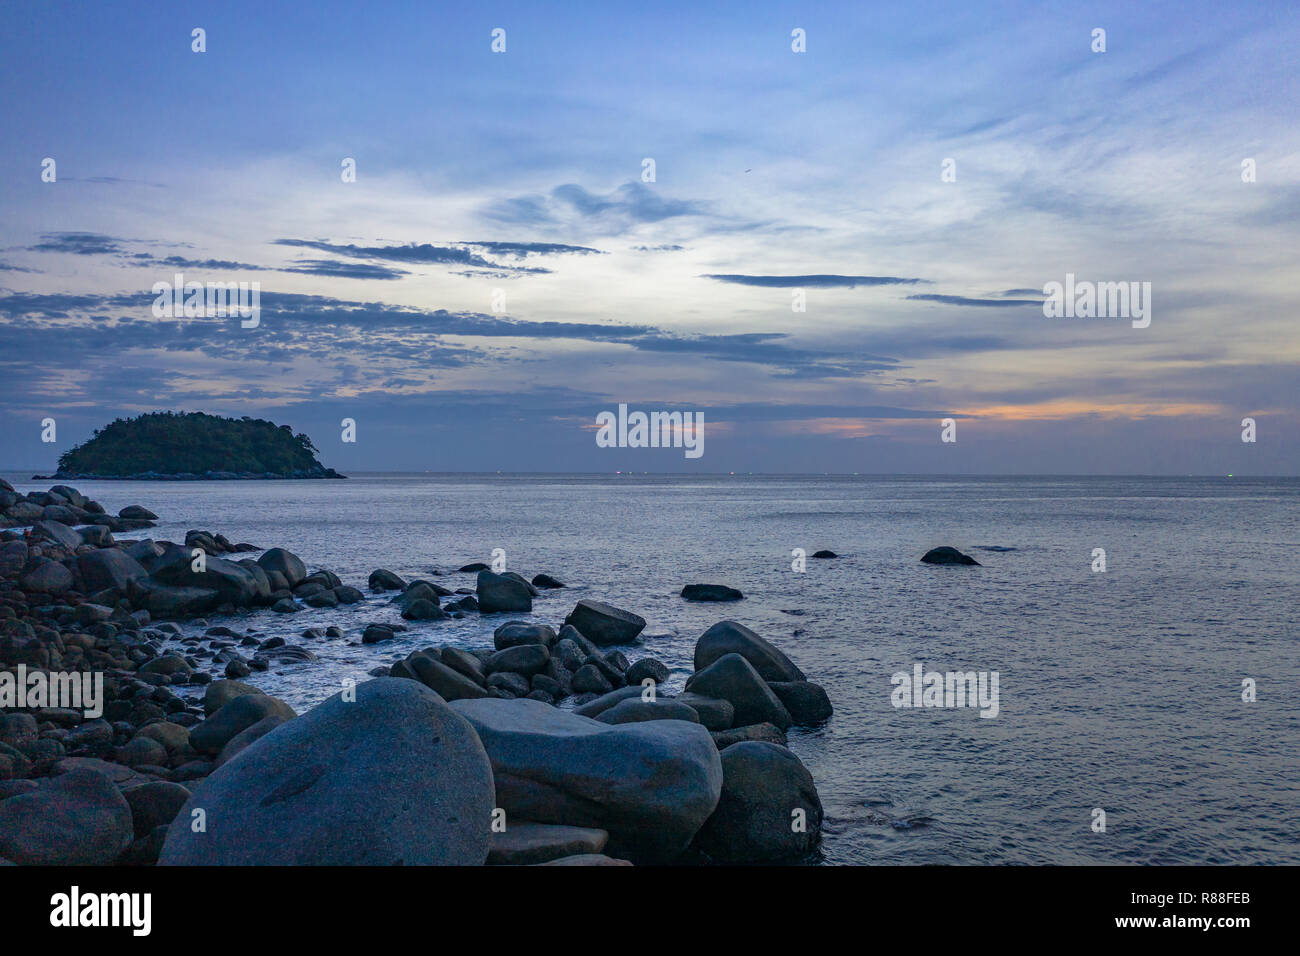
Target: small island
[(192, 446)]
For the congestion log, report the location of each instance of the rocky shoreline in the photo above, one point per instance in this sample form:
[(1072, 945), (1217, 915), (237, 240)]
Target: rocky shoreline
[(186, 476), (447, 756)]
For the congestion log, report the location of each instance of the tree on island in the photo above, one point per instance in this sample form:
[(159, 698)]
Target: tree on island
[(194, 443)]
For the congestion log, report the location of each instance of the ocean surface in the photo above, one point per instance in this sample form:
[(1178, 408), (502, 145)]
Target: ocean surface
[(1119, 690)]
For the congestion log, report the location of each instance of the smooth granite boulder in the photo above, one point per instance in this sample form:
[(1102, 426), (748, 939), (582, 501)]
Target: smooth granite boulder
[(109, 568), (77, 818), (769, 810), (393, 777), (729, 637), (603, 624), (732, 678), (650, 784), (238, 715), (448, 683), (286, 562), (636, 710), (715, 714), (711, 592), (514, 633)]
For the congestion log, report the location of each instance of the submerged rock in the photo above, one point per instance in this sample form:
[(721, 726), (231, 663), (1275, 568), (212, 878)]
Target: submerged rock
[(947, 555), (394, 777), (710, 592)]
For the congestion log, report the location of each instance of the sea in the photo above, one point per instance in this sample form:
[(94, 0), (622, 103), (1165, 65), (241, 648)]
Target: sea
[(1143, 632)]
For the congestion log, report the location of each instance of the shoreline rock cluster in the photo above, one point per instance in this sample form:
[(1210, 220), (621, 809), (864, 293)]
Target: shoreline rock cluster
[(188, 476), (456, 756)]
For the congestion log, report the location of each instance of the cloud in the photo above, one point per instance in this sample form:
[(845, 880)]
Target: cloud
[(411, 253), (80, 244), (964, 300), (814, 281), (346, 270), (570, 205), (521, 250)]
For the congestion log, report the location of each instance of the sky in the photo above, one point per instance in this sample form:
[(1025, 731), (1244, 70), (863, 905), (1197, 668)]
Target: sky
[(503, 268)]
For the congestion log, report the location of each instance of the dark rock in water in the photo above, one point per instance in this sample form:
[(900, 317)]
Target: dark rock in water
[(647, 669), (634, 710), (603, 624), (715, 713), (348, 595), (239, 714), (767, 733), (286, 562), (532, 591), (416, 591), (807, 702), (947, 555), (321, 599), (163, 601), (526, 659), (732, 678), (381, 579), (464, 605), (546, 581), (286, 605), (500, 593), (437, 676), (515, 633), (710, 592), (286, 654), (762, 787), (474, 568), (651, 785), (237, 668), (997, 548), (76, 819), (528, 844), (422, 610), (728, 637), (374, 633), (393, 777), (154, 804), (137, 511), (825, 554)]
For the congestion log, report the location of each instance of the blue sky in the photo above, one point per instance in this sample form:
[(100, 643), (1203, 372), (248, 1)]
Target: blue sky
[(482, 174)]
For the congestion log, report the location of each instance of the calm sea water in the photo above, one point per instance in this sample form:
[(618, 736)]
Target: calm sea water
[(1120, 690)]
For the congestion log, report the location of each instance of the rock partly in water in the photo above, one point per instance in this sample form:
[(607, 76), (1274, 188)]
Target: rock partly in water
[(807, 702), (498, 593), (650, 784), (729, 637), (732, 678), (769, 810), (603, 624), (710, 592), (947, 555)]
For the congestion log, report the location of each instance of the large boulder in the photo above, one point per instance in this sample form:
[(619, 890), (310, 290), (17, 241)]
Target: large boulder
[(57, 532), (286, 562), (603, 624), (499, 592), (47, 577), (650, 784), (237, 715), (165, 601), (729, 637), (77, 818), (393, 777), (732, 678), (769, 810), (635, 710), (514, 633), (109, 568), (234, 583), (526, 659), (807, 702), (450, 684)]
